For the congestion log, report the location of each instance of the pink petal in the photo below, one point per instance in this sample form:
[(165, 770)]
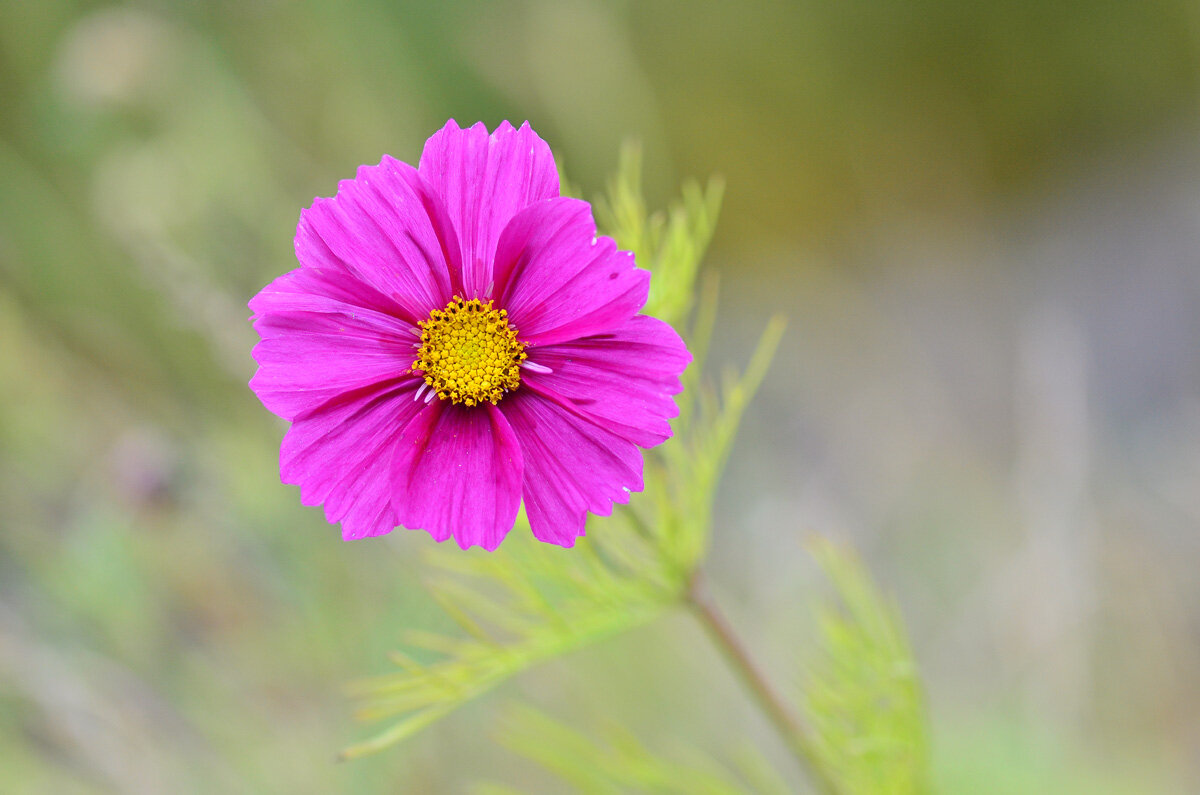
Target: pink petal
[(457, 472), (315, 345), (378, 231), (572, 466), (340, 454), (483, 181), (559, 281), (623, 380)]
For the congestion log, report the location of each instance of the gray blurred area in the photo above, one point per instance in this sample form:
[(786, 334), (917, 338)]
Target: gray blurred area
[(983, 221)]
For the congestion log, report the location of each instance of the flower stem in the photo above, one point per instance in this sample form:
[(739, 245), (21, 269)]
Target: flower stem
[(785, 721)]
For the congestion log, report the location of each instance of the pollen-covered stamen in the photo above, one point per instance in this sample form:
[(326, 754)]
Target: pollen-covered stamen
[(469, 353)]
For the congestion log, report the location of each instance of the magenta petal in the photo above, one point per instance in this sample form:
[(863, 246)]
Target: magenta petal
[(339, 455), (377, 230), (316, 346), (482, 181), (457, 472), (625, 379), (559, 281), (572, 466)]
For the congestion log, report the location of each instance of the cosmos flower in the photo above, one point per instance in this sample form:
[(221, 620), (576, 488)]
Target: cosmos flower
[(458, 339)]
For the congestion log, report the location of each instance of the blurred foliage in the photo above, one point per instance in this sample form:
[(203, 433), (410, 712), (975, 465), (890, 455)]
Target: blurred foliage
[(861, 699), (622, 763)]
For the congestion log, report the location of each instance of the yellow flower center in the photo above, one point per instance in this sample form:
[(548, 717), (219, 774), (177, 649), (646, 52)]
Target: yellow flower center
[(469, 353)]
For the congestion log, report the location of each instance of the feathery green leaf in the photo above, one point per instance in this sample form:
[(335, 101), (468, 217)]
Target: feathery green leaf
[(862, 701), (620, 763), (669, 244)]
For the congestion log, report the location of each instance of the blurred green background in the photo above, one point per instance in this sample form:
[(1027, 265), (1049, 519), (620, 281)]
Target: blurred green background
[(983, 219)]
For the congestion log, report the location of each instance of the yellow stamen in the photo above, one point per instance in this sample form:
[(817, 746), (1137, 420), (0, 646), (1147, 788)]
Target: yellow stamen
[(469, 353)]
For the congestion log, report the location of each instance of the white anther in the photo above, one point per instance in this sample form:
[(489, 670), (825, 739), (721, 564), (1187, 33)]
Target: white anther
[(534, 367)]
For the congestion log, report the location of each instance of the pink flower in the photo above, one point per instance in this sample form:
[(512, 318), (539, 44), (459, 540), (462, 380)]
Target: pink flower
[(457, 338)]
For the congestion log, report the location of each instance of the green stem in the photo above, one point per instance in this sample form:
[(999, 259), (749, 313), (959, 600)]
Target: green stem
[(781, 716)]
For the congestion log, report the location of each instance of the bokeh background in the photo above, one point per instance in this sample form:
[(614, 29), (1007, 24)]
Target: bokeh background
[(982, 218)]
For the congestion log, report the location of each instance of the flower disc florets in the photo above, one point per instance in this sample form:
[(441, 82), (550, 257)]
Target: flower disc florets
[(469, 353)]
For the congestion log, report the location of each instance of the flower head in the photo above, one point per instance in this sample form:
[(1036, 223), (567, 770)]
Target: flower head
[(458, 339)]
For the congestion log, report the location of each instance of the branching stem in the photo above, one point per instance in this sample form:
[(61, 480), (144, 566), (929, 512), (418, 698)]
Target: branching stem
[(785, 721)]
